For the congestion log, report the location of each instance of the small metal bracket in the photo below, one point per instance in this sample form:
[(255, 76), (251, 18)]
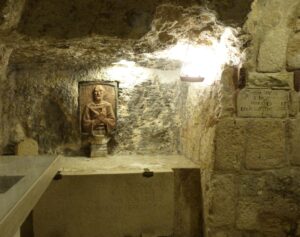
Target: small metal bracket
[(147, 173), (58, 176)]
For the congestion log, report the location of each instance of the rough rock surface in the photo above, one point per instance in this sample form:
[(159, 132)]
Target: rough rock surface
[(11, 11), (249, 165), (64, 19), (231, 11), (272, 56), (282, 80), (44, 72), (269, 25)]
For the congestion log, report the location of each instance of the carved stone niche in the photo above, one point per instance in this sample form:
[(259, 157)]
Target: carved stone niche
[(97, 115)]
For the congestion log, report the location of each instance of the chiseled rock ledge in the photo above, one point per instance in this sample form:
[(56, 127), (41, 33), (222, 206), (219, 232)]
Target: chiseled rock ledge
[(17, 202), (124, 164)]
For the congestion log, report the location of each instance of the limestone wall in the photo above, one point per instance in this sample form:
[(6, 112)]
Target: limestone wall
[(243, 134), (4, 130), (46, 106), (10, 11), (41, 90), (254, 186)]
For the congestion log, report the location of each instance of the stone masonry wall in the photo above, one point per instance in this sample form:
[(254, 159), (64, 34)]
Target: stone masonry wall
[(202, 111), (254, 188), (199, 113)]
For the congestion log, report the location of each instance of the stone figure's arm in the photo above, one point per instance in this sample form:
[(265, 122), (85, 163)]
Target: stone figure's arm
[(110, 119), (87, 122)]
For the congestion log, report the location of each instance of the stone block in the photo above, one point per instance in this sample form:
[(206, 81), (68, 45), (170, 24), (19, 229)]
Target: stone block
[(294, 104), (297, 80), (247, 212), (229, 78), (282, 188), (107, 205), (27, 147), (227, 91), (263, 103), (271, 225), (223, 200), (294, 141), (230, 133), (293, 52), (298, 228), (224, 233), (297, 25), (251, 186), (265, 148), (282, 80), (272, 52)]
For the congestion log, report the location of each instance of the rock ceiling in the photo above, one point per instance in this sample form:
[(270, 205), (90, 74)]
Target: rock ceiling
[(99, 33)]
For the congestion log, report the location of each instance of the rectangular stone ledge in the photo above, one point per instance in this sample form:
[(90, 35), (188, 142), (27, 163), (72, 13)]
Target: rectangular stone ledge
[(124, 164)]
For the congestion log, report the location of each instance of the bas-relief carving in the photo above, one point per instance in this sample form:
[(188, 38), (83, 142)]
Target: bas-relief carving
[(97, 114)]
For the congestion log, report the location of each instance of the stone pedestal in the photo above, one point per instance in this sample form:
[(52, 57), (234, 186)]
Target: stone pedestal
[(98, 150), (98, 146)]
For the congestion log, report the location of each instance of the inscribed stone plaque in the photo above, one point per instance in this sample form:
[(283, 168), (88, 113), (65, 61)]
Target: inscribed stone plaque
[(262, 103)]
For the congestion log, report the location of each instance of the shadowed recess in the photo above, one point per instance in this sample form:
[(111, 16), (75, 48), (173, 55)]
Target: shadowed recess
[(233, 12), (2, 6), (71, 19), (6, 182)]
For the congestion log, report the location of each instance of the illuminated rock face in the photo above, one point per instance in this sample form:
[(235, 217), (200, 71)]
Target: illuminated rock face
[(48, 62), (243, 133)]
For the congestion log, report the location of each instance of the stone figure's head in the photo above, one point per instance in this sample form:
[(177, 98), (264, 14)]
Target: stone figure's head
[(98, 93)]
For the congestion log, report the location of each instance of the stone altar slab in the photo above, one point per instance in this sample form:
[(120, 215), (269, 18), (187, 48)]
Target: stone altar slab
[(116, 198), (20, 198), (263, 103)]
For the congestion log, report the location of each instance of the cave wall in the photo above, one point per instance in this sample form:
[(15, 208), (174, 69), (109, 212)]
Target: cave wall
[(64, 19), (46, 108), (41, 89), (10, 14), (243, 134), (4, 118)]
